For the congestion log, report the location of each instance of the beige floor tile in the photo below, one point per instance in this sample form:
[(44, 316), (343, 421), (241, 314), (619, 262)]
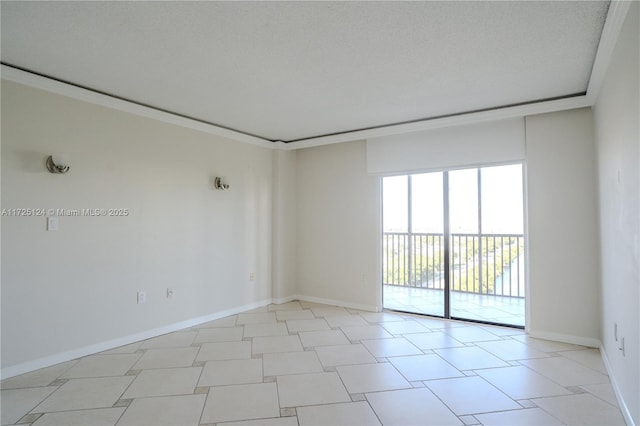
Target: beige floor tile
[(411, 407), (355, 311), (404, 327), (382, 348), (241, 402), (377, 317), (294, 314), (78, 394), (232, 372), (603, 391), (164, 382), (264, 330), (503, 331), (471, 334), (328, 311), (526, 417), (565, 372), (276, 344), (220, 334), (102, 366), (470, 358), (424, 367), (521, 382), (37, 378), (372, 378), (511, 350), (588, 357), (345, 320), (183, 410), (346, 414), (278, 421), (296, 325), (15, 403), (95, 417), (226, 374), (176, 339), (323, 338), (126, 349), (260, 309), (366, 332), (256, 318), (433, 340), (229, 321), (583, 409), (288, 306), (546, 345), (471, 395), (278, 364), (308, 305), (344, 355), (166, 358), (437, 323), (224, 350), (311, 389)]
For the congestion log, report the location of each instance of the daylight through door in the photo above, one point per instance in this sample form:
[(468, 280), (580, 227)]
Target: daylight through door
[(453, 244)]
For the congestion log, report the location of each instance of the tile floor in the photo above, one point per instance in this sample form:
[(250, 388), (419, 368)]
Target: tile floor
[(307, 364)]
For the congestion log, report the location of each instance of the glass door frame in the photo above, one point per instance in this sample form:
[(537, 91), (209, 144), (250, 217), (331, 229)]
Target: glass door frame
[(447, 237)]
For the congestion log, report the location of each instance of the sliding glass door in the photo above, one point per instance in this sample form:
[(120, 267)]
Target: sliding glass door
[(487, 244), (453, 244), (413, 243)]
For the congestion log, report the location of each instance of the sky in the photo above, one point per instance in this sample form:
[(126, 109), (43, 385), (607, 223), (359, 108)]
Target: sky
[(502, 201)]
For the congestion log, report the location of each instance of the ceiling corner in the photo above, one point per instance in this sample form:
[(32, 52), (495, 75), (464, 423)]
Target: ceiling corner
[(612, 26)]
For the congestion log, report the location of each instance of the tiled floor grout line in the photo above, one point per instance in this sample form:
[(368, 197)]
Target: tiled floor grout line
[(370, 320)]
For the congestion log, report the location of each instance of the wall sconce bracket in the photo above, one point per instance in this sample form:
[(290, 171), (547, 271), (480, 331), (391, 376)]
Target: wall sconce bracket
[(56, 168), (218, 184)]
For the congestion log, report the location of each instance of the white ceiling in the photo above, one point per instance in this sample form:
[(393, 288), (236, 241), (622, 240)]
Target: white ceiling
[(296, 70)]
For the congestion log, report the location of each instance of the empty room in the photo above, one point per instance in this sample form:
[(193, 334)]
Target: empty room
[(320, 213)]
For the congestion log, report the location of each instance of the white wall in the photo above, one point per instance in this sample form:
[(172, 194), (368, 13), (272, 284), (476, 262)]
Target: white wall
[(284, 225), (339, 228), (617, 118), (65, 291), (338, 240), (562, 227), (447, 148)]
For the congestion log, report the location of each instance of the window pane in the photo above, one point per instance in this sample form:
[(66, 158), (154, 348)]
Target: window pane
[(463, 201), (426, 203), (502, 204), (395, 203)]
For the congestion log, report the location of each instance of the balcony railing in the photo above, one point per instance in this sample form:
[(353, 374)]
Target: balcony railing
[(480, 264)]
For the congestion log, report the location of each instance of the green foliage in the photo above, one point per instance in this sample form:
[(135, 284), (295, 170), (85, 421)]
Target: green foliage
[(477, 262)]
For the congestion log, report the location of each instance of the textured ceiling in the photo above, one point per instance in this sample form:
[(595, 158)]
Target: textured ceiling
[(294, 70)]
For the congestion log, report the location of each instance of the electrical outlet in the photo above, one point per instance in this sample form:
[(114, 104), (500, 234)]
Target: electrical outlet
[(169, 292), (252, 276), (52, 223), (142, 297)]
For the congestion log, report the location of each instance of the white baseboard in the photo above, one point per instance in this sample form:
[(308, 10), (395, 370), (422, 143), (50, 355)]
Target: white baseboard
[(50, 360), (566, 338), (616, 389), (57, 358), (340, 303), (281, 300)]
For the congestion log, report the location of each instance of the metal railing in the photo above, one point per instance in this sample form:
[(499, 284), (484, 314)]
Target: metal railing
[(480, 264)]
